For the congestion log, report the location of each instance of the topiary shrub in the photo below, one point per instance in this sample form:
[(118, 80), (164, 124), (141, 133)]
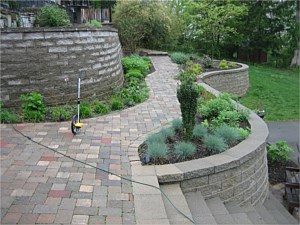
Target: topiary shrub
[(52, 16), (188, 94), (185, 149), (214, 144), (179, 57)]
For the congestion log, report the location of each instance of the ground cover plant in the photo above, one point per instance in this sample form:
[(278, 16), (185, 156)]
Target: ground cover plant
[(278, 159), (207, 136), (133, 92), (275, 91)]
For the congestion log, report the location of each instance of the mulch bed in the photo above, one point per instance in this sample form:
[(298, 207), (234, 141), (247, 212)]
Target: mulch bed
[(201, 151)]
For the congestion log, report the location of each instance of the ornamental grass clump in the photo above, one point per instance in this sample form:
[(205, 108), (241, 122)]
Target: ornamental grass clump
[(188, 95), (177, 124), (167, 132), (185, 149), (155, 138), (199, 131), (214, 144), (157, 150), (230, 135), (179, 57)]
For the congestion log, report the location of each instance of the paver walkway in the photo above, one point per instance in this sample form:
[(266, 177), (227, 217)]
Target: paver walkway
[(40, 186)]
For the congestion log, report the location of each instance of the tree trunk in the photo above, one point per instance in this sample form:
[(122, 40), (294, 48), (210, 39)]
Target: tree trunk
[(296, 59)]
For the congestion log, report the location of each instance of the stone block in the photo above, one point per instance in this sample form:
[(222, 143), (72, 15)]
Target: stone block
[(34, 36), (11, 36), (57, 49)]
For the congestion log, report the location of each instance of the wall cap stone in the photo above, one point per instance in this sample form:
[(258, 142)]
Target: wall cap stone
[(56, 29)]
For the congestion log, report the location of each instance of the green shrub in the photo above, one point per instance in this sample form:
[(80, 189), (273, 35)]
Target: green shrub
[(135, 62), (100, 108), (85, 110), (230, 135), (177, 124), (33, 107), (155, 138), (188, 95), (183, 76), (94, 23), (7, 116), (230, 118), (193, 68), (279, 151), (223, 64), (185, 149), (134, 74), (57, 112), (157, 150), (232, 64), (214, 144), (244, 133), (214, 106), (207, 61), (199, 131), (52, 16), (116, 104), (167, 132), (179, 57)]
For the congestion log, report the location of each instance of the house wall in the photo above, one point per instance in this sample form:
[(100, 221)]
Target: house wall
[(49, 61)]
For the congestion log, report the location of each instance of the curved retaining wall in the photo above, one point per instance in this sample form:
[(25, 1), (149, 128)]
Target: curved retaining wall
[(239, 174), (234, 81), (49, 60)]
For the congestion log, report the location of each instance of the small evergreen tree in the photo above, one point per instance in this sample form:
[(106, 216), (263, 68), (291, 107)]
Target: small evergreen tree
[(188, 95)]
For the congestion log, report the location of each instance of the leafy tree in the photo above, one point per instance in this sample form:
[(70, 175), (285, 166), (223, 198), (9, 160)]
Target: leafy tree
[(143, 23), (212, 21), (52, 16), (270, 26)]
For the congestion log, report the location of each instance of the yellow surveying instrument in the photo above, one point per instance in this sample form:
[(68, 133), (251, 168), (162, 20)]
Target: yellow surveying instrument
[(76, 125)]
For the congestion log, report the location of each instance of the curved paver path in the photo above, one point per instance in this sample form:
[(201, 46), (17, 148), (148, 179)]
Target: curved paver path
[(40, 186)]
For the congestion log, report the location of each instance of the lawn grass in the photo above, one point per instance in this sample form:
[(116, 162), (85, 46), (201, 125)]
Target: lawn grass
[(274, 90)]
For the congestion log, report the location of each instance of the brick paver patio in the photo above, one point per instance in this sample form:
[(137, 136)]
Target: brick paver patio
[(40, 186)]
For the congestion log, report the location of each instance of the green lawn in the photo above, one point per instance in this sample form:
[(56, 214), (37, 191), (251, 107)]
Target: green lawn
[(275, 90)]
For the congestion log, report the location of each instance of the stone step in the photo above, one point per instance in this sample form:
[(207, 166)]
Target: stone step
[(265, 214), (200, 211), (248, 210), (174, 193), (278, 210), (221, 214)]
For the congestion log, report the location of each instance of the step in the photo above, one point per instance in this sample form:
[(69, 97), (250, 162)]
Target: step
[(248, 210), (241, 218), (277, 209), (174, 193), (265, 214), (197, 205)]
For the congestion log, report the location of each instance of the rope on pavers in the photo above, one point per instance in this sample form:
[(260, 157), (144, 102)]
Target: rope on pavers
[(112, 173)]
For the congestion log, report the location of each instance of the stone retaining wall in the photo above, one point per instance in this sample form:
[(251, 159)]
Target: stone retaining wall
[(49, 60), (239, 174), (234, 81)]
